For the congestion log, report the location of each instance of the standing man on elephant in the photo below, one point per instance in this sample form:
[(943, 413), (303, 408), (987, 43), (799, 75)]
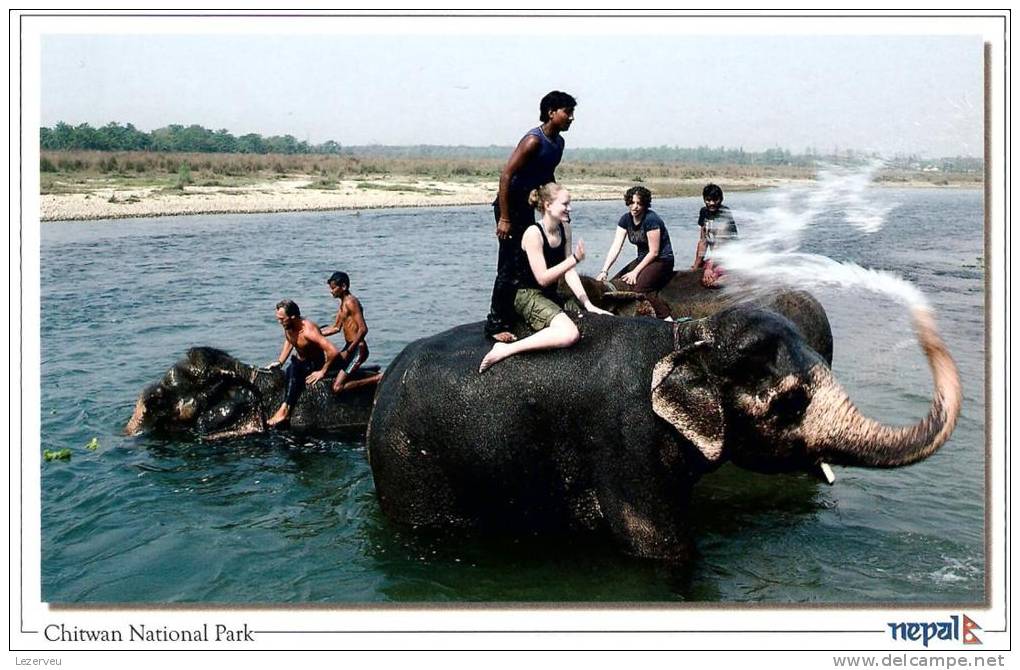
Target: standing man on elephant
[(313, 354), (532, 164)]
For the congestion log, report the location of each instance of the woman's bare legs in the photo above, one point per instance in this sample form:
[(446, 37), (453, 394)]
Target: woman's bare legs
[(560, 333)]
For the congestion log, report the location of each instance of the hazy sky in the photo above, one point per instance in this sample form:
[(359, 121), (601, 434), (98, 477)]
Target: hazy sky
[(892, 94)]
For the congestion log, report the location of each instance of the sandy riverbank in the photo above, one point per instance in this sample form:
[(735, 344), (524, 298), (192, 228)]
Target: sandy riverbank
[(296, 194), (107, 201)]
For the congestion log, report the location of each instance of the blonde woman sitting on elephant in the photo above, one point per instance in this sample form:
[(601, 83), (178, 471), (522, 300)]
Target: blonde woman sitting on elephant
[(545, 245)]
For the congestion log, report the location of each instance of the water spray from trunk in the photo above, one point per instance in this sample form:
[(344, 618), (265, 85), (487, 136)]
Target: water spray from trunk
[(768, 251)]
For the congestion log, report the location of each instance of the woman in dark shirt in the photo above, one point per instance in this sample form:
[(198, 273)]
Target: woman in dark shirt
[(653, 267)]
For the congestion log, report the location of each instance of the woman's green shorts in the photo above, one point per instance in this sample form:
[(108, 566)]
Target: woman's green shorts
[(537, 310)]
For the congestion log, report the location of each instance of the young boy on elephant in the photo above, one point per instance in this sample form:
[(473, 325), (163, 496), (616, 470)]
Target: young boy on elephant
[(313, 354), (717, 227), (350, 319)]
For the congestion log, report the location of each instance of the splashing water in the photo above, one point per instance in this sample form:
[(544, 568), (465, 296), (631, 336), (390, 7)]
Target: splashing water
[(768, 248)]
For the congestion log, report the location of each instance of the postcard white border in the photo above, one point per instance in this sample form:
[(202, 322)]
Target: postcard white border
[(703, 627)]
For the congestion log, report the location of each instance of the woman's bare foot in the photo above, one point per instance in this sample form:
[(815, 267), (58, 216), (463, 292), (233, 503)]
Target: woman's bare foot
[(280, 416), (495, 355), (506, 337)]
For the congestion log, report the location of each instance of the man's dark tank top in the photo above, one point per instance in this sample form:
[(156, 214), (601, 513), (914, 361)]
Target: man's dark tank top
[(552, 257), (539, 169)]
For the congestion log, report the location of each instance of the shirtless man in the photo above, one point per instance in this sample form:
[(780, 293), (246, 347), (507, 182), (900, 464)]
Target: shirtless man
[(350, 319), (313, 354)]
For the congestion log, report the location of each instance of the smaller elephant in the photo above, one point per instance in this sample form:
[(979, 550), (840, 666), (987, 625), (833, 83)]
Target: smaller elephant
[(684, 295), (688, 299), (211, 394)]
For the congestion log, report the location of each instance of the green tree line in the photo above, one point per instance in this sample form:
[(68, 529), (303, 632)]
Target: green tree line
[(196, 139), (661, 154), (177, 138), (702, 155)]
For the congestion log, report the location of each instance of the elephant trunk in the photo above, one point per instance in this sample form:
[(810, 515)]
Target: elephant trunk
[(838, 433), (135, 423)]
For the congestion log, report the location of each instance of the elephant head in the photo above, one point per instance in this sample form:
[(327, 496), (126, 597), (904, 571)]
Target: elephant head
[(208, 392), (212, 394), (742, 386)]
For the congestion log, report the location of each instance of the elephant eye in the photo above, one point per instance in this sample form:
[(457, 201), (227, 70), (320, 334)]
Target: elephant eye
[(756, 358), (788, 408)]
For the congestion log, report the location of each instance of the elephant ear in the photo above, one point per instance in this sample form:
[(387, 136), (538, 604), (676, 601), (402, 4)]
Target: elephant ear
[(684, 394)]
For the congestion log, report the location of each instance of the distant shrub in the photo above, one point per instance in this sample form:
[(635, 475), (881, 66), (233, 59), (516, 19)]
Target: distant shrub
[(108, 164), (183, 175), (323, 184), (46, 165)]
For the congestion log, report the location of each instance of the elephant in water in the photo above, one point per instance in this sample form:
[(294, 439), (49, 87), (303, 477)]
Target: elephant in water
[(213, 395), (687, 298), (611, 434), (684, 295)]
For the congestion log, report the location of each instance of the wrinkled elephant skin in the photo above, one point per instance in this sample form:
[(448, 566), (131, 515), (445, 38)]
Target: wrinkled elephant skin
[(611, 434), (212, 395)]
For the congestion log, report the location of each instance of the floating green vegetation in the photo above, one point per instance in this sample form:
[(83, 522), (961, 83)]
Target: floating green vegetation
[(60, 455), (93, 444)]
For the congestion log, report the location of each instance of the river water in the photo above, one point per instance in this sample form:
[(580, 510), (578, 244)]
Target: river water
[(283, 519)]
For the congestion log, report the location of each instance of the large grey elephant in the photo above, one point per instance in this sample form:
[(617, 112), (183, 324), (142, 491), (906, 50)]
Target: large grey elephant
[(212, 395), (612, 433), (683, 294), (687, 298)]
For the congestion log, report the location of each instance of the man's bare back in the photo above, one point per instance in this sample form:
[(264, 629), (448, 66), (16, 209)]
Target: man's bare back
[(350, 318)]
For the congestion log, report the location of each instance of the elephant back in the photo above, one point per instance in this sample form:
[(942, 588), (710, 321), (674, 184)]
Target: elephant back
[(687, 297), (807, 315), (444, 439)]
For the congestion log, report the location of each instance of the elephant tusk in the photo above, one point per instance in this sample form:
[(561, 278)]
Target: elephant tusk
[(826, 473), (692, 346)]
